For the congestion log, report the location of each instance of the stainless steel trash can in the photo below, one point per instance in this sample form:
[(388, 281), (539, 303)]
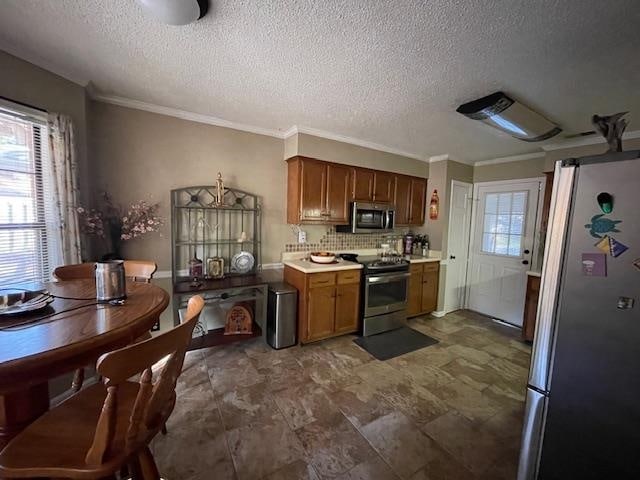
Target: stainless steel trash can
[(282, 309)]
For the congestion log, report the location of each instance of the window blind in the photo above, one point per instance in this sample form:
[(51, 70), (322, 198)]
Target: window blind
[(25, 196)]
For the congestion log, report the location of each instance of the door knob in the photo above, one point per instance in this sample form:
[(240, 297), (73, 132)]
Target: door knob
[(452, 257), (525, 262)]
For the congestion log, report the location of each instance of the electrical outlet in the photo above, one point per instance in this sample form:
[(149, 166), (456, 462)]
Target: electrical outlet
[(302, 236)]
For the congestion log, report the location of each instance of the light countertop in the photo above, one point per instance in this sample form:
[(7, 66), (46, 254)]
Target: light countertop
[(421, 259), (533, 273), (307, 266)]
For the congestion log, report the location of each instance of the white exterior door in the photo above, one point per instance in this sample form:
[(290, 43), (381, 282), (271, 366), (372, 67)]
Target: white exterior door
[(502, 247), (457, 245)]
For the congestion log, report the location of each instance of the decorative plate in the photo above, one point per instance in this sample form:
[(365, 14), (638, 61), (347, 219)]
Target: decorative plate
[(242, 262), (16, 302)]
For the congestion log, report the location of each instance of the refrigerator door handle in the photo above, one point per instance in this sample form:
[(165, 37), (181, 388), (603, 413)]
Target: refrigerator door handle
[(532, 432), (541, 357)]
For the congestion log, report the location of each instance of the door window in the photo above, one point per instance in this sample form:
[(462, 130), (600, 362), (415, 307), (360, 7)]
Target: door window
[(504, 223)]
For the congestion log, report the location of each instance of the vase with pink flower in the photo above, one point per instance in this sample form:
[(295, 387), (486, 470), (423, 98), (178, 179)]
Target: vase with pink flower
[(113, 224)]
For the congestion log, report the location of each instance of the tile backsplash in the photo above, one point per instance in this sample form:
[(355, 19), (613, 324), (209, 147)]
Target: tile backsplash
[(336, 241)]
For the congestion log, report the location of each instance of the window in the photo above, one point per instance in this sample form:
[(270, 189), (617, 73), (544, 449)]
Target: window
[(504, 223), (24, 250)]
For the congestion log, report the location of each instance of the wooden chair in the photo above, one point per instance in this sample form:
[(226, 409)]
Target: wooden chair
[(137, 270), (78, 271), (140, 270), (103, 428)]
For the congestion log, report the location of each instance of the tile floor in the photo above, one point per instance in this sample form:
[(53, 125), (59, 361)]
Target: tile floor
[(330, 410)]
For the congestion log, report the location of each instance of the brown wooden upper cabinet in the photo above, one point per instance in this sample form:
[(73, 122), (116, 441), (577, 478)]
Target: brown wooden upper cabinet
[(402, 199), (409, 199), (383, 187), (363, 181), (418, 201), (317, 192), (372, 185), (320, 192)]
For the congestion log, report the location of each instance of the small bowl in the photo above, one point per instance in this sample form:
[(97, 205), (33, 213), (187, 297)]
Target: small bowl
[(323, 257)]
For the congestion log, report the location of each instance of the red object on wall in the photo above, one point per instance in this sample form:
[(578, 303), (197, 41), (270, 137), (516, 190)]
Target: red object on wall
[(434, 206)]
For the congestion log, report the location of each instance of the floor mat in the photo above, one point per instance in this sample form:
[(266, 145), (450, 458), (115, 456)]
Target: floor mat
[(391, 344)]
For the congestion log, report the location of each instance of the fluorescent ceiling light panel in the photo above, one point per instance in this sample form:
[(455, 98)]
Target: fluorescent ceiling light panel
[(502, 112)]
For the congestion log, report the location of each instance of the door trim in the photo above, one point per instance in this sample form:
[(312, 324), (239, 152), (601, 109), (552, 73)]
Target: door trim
[(467, 243), (474, 213)]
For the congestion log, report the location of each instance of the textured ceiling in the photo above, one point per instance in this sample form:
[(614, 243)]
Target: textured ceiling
[(389, 72)]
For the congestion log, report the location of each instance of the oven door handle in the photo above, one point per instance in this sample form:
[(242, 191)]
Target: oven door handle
[(387, 278)]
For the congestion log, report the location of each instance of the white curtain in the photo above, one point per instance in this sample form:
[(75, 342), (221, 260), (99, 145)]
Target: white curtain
[(64, 191)]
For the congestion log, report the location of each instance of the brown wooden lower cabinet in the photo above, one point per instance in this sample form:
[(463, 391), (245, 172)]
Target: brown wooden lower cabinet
[(423, 288), (321, 308), (328, 303), (530, 307), (347, 308), (415, 292)]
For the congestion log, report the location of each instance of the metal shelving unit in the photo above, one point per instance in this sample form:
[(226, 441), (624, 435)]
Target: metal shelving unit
[(202, 228)]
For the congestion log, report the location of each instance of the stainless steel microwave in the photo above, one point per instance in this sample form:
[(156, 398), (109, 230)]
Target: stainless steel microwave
[(369, 218)]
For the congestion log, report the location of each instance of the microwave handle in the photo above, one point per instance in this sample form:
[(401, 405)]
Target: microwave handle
[(388, 219)]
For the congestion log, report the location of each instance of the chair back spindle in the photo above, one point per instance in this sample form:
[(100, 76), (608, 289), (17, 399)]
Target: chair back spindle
[(155, 399)]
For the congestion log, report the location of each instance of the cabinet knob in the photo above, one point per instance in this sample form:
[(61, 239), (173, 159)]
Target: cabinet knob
[(452, 257), (525, 262), (526, 251)]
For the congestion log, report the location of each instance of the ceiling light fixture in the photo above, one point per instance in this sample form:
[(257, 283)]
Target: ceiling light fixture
[(176, 12), (504, 113)]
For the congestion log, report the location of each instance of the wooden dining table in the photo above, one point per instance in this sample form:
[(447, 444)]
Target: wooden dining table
[(72, 332)]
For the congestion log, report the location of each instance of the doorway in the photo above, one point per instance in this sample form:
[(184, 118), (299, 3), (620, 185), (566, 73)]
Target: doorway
[(457, 245), (502, 246)]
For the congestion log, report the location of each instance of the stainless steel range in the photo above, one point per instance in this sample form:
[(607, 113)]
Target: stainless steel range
[(385, 294)]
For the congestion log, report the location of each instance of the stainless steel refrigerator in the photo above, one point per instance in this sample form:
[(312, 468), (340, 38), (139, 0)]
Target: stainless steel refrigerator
[(582, 416)]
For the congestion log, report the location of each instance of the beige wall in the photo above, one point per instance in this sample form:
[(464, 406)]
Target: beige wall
[(459, 171), (532, 168), (441, 174), (455, 171), (537, 166), (24, 82), (291, 146), (584, 151), (141, 155), (437, 181), (339, 152)]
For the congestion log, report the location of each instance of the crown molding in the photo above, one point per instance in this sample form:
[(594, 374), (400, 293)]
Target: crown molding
[(298, 129), (38, 61), (584, 141), (513, 158), (220, 122), (448, 156), (290, 132), (184, 115), (438, 158)]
